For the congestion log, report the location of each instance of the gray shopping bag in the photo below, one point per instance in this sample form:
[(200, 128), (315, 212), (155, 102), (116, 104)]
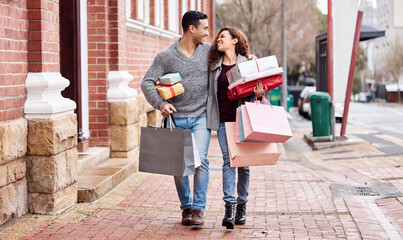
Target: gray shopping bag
[(168, 151)]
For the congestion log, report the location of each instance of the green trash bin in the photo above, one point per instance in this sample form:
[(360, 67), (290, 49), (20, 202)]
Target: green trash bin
[(275, 97), (321, 113), (290, 100)]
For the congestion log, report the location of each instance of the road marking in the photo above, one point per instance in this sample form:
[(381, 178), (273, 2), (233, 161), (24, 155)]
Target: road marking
[(395, 111)]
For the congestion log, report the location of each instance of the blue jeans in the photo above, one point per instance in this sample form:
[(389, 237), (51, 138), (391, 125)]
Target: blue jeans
[(201, 178), (228, 174)]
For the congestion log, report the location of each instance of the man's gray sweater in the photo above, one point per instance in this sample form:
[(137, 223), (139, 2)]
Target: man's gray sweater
[(194, 73)]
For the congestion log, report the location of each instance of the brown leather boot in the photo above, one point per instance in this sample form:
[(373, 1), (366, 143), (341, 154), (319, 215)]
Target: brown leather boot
[(186, 216), (197, 217)]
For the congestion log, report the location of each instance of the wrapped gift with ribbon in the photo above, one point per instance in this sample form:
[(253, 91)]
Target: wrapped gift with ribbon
[(243, 76), (170, 79), (167, 91), (252, 70)]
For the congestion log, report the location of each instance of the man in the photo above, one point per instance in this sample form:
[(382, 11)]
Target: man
[(188, 57)]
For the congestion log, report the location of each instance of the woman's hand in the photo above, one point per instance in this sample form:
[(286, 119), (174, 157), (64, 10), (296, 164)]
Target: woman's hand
[(259, 89), (251, 57)]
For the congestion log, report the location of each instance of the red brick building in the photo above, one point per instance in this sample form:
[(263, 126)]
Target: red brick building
[(70, 78)]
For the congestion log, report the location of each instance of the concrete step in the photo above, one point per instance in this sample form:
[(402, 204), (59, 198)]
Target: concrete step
[(99, 180), (92, 157)]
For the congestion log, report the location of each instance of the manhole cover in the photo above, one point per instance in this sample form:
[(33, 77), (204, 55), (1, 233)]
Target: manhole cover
[(370, 191), (362, 191)]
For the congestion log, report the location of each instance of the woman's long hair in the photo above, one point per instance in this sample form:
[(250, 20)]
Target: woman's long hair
[(241, 46)]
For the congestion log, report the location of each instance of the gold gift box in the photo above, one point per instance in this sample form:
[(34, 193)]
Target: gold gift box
[(167, 92)]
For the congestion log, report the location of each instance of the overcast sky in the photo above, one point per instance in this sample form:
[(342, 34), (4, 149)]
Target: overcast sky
[(322, 5)]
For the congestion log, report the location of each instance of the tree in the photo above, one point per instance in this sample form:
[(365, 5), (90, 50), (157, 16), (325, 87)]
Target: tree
[(360, 70), (260, 20), (393, 63)]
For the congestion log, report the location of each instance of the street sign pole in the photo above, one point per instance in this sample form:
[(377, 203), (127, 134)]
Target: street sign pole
[(329, 49), (284, 59), (352, 68)]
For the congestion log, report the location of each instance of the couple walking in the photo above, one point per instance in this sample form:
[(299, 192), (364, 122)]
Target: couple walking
[(203, 107)]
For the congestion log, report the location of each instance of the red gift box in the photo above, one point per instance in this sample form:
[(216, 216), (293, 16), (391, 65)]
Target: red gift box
[(246, 89)]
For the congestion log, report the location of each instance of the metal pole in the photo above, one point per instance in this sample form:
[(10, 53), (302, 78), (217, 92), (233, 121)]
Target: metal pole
[(284, 58), (329, 50), (332, 123), (352, 68)]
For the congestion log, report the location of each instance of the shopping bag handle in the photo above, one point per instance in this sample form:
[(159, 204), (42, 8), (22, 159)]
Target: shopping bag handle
[(164, 123), (267, 102), (264, 100)]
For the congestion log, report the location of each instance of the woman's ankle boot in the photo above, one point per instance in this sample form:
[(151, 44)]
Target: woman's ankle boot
[(229, 217), (240, 217)]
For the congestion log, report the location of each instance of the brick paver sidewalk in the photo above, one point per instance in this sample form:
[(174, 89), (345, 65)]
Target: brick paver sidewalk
[(291, 200)]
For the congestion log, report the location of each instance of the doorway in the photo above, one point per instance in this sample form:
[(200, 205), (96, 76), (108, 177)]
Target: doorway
[(70, 55)]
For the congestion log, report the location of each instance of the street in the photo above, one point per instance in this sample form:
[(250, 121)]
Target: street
[(384, 118)]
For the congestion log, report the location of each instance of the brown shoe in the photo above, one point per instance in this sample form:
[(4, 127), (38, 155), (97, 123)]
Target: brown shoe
[(186, 216), (197, 217)]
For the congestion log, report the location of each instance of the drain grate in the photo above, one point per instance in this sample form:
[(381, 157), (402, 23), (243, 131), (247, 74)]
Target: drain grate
[(362, 191), (370, 191)]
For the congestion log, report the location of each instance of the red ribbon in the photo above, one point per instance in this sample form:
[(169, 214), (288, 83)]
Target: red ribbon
[(230, 71), (171, 88), (257, 65)]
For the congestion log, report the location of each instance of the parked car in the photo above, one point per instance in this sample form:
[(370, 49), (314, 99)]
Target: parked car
[(361, 97), (306, 81), (304, 106)]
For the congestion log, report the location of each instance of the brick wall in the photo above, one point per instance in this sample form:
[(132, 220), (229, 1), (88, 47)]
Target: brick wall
[(43, 36), (98, 67), (141, 50), (13, 58)]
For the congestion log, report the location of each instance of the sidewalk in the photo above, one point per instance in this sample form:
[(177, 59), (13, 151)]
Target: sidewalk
[(291, 200)]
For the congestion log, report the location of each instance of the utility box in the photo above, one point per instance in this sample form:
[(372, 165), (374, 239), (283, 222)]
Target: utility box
[(321, 113)]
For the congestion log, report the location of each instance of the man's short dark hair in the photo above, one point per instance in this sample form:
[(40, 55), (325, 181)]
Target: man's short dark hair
[(192, 18)]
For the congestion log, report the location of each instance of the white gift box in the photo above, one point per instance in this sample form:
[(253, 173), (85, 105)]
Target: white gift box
[(253, 69)]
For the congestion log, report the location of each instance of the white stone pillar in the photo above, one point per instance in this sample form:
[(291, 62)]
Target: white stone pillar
[(52, 144)]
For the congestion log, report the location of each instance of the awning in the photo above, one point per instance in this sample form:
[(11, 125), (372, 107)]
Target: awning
[(367, 33)]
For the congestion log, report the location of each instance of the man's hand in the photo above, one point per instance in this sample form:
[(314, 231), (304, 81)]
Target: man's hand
[(252, 57), (167, 109)]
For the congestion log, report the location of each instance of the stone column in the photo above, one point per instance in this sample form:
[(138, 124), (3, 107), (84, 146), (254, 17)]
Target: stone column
[(13, 182), (52, 144), (128, 112), (123, 117)]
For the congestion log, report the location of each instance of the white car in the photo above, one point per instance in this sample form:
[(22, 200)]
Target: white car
[(304, 105)]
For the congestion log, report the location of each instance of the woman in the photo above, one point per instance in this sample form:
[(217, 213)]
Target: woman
[(229, 47)]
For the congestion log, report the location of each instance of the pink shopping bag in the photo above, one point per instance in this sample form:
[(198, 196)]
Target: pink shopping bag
[(265, 122), (249, 154)]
